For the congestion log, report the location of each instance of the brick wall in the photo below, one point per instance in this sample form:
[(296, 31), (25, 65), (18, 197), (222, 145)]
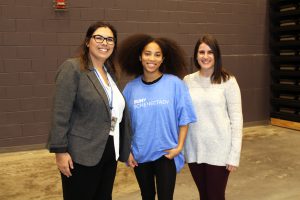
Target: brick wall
[(35, 39)]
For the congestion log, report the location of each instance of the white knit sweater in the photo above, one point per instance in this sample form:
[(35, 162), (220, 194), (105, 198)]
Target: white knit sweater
[(216, 137)]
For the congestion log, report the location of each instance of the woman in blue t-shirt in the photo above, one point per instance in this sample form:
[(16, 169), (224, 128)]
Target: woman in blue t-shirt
[(161, 109)]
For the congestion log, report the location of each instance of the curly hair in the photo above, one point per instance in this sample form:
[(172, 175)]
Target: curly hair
[(84, 50), (219, 74), (132, 47)]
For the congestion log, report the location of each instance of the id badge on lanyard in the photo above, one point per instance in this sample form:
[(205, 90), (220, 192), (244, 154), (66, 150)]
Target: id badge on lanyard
[(110, 98), (113, 123)]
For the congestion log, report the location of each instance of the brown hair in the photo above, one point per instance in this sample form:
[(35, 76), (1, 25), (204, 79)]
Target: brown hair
[(84, 50), (219, 74)]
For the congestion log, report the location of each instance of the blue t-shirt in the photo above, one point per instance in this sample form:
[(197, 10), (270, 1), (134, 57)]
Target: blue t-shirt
[(157, 110)]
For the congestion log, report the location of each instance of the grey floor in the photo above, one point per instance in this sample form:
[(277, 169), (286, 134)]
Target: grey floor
[(269, 170)]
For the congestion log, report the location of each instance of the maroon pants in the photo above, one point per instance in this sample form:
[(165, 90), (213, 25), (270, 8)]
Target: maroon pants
[(211, 180)]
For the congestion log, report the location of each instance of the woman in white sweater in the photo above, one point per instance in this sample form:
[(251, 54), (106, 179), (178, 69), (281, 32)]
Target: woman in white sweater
[(213, 144)]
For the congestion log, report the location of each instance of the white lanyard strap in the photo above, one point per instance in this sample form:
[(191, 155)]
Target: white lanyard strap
[(110, 98)]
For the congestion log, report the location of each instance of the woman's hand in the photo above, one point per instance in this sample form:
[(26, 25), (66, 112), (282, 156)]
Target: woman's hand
[(231, 168), (64, 163), (171, 153), (131, 161)]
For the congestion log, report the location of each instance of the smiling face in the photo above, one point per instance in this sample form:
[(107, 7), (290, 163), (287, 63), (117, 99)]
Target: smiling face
[(206, 58), (102, 50), (151, 58)]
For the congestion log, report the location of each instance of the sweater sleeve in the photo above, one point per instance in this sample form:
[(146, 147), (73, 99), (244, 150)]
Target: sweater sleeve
[(234, 108), (66, 88)]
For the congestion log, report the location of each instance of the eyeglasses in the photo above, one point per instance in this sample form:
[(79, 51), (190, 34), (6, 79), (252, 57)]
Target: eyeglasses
[(100, 39)]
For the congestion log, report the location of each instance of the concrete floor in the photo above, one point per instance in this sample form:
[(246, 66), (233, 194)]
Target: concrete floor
[(269, 170)]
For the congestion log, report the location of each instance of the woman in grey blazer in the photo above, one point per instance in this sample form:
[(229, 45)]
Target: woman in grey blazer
[(91, 127)]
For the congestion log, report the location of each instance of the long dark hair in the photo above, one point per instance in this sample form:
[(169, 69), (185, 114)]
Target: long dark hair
[(219, 74), (84, 50), (132, 47)]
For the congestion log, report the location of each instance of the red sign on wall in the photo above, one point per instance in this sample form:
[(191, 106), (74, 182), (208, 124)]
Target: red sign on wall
[(60, 4)]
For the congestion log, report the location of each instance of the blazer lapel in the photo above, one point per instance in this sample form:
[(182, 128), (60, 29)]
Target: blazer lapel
[(93, 78)]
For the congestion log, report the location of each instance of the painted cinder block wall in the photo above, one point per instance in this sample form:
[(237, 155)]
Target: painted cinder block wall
[(35, 39)]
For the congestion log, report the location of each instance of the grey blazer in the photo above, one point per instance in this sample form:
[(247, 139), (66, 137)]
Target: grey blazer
[(82, 117)]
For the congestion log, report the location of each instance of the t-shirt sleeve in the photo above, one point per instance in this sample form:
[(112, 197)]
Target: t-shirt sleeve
[(184, 106)]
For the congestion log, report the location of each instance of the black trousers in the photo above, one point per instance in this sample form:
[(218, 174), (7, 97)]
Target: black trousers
[(92, 183), (211, 180), (163, 171)]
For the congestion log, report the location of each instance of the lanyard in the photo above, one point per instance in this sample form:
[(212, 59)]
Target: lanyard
[(110, 98)]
